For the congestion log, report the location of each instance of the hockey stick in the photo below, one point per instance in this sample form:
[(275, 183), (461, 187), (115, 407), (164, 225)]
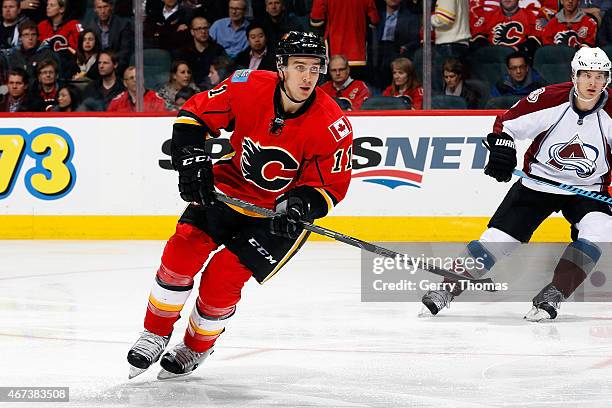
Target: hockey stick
[(566, 187), (572, 189), (367, 246)]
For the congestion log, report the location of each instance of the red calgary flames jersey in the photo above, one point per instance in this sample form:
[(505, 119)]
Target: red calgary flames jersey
[(312, 148), (508, 31), (582, 29), (66, 35), (356, 92)]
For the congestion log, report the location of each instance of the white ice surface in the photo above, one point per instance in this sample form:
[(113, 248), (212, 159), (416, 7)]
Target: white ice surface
[(69, 312)]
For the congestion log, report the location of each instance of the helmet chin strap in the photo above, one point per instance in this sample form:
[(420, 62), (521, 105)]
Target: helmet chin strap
[(282, 87)]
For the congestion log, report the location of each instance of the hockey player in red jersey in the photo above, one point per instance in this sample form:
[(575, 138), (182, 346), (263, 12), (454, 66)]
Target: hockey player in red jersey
[(291, 153), (570, 129)]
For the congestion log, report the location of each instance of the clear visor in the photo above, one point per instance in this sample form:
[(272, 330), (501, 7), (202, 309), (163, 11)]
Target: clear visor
[(315, 69), (596, 77)]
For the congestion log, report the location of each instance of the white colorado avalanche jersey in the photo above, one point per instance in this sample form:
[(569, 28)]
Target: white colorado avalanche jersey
[(567, 145)]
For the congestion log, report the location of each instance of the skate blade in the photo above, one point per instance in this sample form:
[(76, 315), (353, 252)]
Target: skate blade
[(425, 312), (537, 315), (167, 375), (135, 371)]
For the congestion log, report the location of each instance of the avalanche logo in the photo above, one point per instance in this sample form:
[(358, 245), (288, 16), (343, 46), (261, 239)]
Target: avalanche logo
[(269, 168), (534, 95), (574, 155), (569, 38), (510, 33), (390, 177)]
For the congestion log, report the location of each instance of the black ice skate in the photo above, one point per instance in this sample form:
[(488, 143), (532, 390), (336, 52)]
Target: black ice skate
[(545, 304), (146, 351), (436, 300), (181, 360)]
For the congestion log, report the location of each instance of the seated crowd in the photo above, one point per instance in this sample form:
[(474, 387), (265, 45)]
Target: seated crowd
[(78, 55)]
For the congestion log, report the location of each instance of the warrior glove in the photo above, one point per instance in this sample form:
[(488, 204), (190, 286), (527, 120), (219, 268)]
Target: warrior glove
[(502, 157), (196, 181)]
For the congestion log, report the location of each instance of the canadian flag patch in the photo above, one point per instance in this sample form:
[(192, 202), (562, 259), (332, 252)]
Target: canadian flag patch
[(340, 129)]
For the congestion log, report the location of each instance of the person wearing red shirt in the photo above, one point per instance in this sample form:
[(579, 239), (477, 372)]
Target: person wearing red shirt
[(345, 27), (62, 35), (509, 26), (405, 83), (291, 152), (571, 27), (126, 100), (342, 86)]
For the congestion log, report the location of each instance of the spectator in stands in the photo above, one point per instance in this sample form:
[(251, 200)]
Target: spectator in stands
[(230, 32), (115, 32), (454, 84), (405, 83), (68, 99), (510, 26), (521, 79), (276, 22), (604, 34), (87, 54), (9, 29), (571, 27), (17, 98), (210, 10), (397, 35), (167, 27), (220, 69), (342, 86), (43, 93), (200, 52), (180, 77), (258, 55), (183, 95), (126, 101), (108, 86), (345, 28), (60, 33), (31, 51), (34, 10), (596, 8), (451, 22)]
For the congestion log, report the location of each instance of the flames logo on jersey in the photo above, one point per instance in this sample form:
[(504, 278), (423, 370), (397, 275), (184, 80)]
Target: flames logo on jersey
[(57, 43), (569, 38), (508, 33), (574, 155), (256, 160)]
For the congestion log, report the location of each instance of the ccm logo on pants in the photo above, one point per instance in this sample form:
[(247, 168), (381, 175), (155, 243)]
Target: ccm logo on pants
[(262, 251)]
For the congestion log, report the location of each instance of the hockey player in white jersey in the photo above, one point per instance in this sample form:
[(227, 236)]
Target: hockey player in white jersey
[(570, 129)]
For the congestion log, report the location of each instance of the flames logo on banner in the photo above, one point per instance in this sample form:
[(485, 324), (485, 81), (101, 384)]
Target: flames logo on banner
[(574, 155), (508, 33), (257, 160)]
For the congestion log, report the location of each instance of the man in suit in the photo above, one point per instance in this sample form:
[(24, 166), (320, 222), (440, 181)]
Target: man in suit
[(397, 35), (113, 31), (258, 55)]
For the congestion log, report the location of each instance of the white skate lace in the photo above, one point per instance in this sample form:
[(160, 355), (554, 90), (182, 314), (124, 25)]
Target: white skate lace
[(185, 356), (150, 345), (441, 298)]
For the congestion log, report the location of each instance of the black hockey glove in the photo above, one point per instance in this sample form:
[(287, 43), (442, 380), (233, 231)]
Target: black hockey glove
[(502, 157), (196, 181), (291, 209)]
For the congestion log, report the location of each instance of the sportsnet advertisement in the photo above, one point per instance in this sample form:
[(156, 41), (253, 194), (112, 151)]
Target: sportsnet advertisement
[(403, 166)]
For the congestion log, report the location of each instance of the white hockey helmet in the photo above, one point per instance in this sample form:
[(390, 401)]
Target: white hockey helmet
[(591, 59)]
